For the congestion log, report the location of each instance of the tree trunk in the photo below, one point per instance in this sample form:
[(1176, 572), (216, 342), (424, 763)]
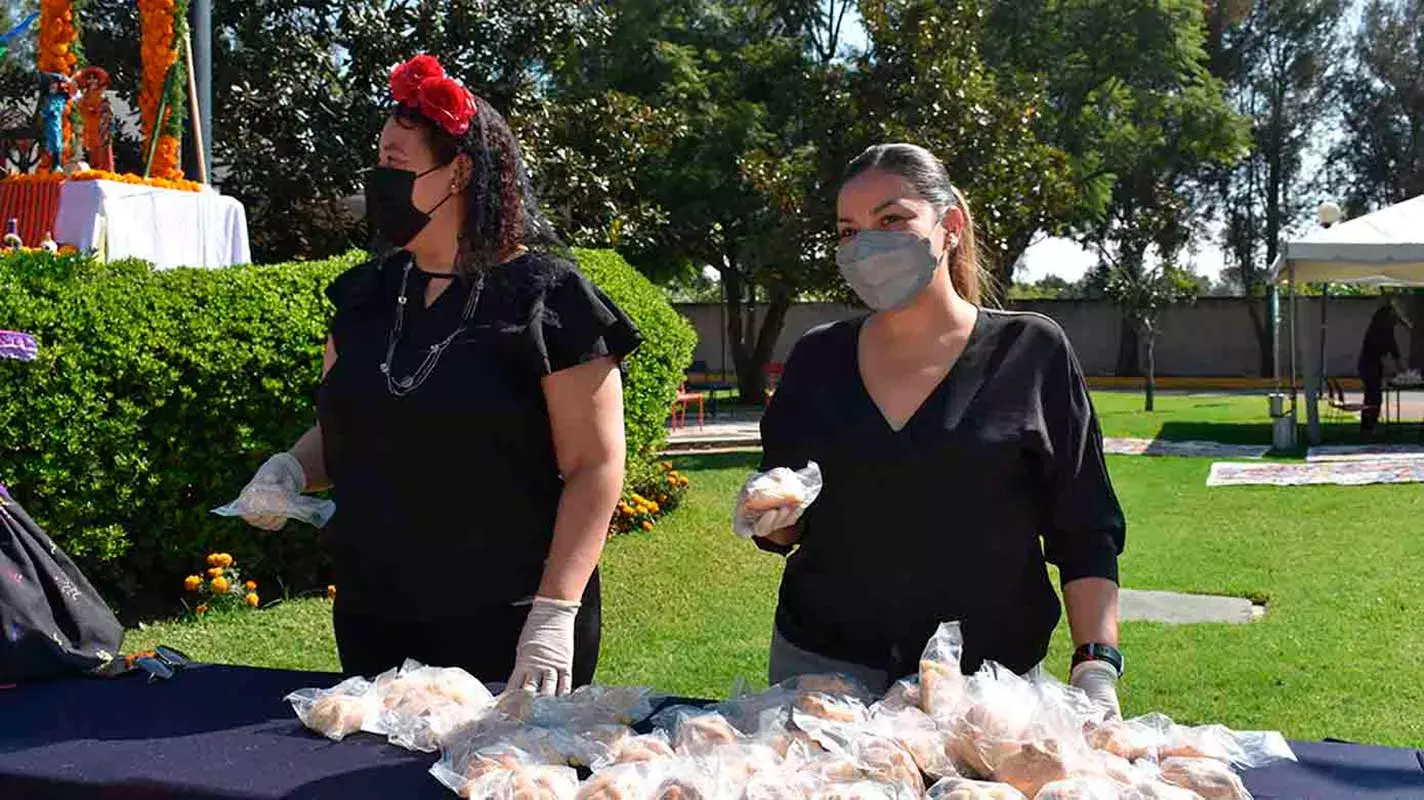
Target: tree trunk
[(1002, 269), (1129, 358), (750, 383), (1149, 332)]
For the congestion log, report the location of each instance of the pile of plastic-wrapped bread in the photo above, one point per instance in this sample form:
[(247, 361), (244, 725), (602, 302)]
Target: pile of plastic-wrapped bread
[(989, 736)]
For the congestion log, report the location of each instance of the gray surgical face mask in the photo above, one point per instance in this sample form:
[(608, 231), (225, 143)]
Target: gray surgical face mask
[(887, 269)]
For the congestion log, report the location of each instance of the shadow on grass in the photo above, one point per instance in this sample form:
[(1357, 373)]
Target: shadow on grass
[(1260, 433), (694, 461)]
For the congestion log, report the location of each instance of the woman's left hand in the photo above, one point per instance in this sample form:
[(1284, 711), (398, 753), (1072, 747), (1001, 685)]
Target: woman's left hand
[(544, 662), (1098, 680)]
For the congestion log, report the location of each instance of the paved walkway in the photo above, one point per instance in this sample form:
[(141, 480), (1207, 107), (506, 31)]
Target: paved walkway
[(1176, 608)]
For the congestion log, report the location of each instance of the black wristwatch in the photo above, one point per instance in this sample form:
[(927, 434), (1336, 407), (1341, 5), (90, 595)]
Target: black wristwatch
[(1099, 652)]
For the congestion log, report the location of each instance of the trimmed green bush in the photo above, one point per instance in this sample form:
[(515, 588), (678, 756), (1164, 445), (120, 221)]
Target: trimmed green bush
[(157, 394), (659, 366)]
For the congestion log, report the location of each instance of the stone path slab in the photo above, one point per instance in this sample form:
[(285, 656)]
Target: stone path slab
[(1176, 608)]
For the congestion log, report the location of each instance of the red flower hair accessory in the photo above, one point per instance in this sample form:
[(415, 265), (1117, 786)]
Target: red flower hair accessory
[(420, 84)]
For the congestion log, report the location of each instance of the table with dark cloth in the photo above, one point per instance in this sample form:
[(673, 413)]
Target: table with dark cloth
[(225, 732)]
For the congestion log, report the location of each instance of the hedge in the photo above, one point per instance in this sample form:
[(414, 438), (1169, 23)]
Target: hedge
[(157, 394)]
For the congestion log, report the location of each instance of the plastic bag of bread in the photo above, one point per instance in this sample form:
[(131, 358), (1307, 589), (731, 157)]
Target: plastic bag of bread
[(337, 712), (942, 684), (643, 749), (994, 721), (531, 782), (775, 489), (966, 789), (917, 733), (811, 708), (1157, 790), (696, 731), (1156, 737), (833, 684), (507, 773), (418, 706), (904, 694), (1208, 777), (1082, 789), (884, 761), (1132, 739), (592, 706), (622, 782), (863, 790), (735, 765)]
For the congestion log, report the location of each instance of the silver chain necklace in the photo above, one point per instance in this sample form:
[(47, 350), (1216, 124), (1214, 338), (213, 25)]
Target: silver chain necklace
[(400, 387)]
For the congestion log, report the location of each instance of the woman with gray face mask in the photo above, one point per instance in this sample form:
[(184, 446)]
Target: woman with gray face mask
[(959, 454)]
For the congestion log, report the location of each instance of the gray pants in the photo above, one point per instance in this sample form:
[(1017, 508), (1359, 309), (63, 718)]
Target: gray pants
[(788, 661)]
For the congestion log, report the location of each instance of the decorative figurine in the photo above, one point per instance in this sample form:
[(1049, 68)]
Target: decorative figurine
[(12, 240), (49, 245), (98, 118), (55, 91)]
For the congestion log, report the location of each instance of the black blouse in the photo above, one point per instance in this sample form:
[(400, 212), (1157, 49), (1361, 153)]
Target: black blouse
[(951, 517), (446, 497)]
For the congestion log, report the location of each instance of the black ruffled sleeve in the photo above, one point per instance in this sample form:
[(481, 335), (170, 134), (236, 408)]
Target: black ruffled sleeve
[(351, 291), (574, 322)]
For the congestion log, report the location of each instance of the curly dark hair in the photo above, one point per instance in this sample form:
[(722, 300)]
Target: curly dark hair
[(502, 211)]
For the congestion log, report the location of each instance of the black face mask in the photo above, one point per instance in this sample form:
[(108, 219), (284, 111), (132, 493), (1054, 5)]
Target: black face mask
[(392, 215)]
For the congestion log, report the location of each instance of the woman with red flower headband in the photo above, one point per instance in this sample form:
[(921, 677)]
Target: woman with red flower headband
[(470, 416)]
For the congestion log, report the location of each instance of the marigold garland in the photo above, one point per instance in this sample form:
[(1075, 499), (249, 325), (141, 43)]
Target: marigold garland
[(100, 175), (161, 30), (59, 53)]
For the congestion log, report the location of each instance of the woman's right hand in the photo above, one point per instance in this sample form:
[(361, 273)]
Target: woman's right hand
[(281, 475)]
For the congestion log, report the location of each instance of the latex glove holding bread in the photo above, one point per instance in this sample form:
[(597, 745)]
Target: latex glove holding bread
[(775, 500)]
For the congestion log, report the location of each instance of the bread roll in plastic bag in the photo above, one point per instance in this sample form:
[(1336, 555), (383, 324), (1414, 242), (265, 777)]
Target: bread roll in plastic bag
[(648, 748), (1082, 789), (1211, 779), (942, 684), (337, 712), (915, 731), (776, 488), (258, 501), (418, 706), (967, 789)]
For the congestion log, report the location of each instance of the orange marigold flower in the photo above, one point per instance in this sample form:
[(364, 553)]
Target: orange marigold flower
[(224, 560), (250, 586), (251, 599), (192, 582), (647, 526), (331, 592), (653, 507), (220, 585), (212, 559), (215, 572), (202, 608)]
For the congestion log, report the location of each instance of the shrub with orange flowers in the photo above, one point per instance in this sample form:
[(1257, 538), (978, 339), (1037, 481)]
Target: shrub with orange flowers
[(650, 493), (222, 589), (162, 26), (60, 52)]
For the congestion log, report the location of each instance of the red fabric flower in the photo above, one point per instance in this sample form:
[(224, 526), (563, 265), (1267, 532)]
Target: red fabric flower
[(447, 104), (406, 78)]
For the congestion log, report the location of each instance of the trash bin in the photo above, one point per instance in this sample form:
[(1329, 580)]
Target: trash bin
[(1283, 427)]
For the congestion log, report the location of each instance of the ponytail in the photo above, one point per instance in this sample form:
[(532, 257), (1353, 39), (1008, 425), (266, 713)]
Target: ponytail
[(971, 281)]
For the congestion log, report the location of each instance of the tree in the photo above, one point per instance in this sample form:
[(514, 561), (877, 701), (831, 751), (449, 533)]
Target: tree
[(1382, 101), (1142, 291), (925, 80), (1135, 103), (754, 102), (1381, 158), (1273, 59)]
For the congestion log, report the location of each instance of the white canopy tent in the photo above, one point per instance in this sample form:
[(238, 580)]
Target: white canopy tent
[(1385, 248)]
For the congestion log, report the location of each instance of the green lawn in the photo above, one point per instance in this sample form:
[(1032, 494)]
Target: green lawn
[(688, 607)]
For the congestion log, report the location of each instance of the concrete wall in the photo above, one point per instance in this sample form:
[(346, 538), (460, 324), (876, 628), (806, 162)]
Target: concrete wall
[(1211, 338)]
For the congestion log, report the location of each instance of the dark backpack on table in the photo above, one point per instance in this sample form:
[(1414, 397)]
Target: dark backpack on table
[(52, 622)]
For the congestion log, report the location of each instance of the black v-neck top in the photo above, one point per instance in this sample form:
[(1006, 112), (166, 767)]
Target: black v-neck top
[(951, 517), (446, 497)]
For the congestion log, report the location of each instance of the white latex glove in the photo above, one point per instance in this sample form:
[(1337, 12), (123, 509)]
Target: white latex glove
[(544, 661), (281, 474), (1098, 680)]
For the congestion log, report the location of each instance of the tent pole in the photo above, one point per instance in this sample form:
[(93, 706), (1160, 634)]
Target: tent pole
[(1294, 304)]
